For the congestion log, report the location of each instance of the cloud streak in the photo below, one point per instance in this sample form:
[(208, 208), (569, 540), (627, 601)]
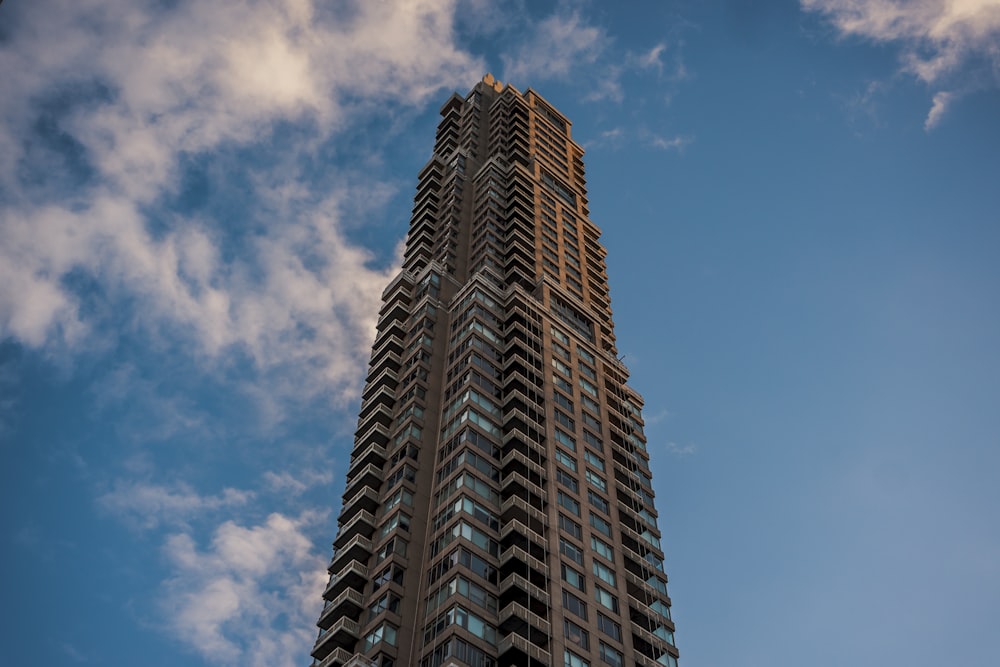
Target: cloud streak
[(944, 43)]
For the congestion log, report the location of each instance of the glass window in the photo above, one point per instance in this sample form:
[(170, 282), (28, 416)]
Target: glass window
[(600, 524), (576, 635), (566, 480), (598, 502), (565, 459), (565, 420), (611, 656), (593, 478), (602, 548), (569, 503), (573, 578), (566, 440), (574, 605), (383, 633), (571, 551), (604, 573), (606, 599), (570, 527), (609, 627)]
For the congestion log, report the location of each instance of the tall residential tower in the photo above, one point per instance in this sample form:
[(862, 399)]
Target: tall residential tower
[(498, 508)]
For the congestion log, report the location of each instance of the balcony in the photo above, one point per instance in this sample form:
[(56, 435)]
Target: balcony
[(338, 658), (515, 650), (350, 603), (516, 484), (342, 634), (353, 575), (517, 618), (516, 581), (388, 377), (515, 461), (373, 454), (363, 523), (365, 500), (358, 548), (370, 475), (518, 508), (517, 553), (380, 413)]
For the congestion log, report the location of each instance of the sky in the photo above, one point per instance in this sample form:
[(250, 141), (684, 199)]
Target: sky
[(200, 203)]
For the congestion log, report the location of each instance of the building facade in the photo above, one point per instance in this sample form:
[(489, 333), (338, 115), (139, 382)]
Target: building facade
[(498, 508)]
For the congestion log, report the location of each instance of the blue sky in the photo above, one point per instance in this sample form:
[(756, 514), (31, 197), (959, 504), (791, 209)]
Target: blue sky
[(200, 203)]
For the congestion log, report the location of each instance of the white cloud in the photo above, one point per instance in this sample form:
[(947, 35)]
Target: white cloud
[(554, 47), (677, 143), (136, 88), (941, 102), (653, 58), (681, 450), (295, 484), (940, 39), (147, 505), (228, 601)]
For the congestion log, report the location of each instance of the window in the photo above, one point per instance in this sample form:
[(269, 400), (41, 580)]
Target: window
[(604, 573), (576, 635), (592, 422), (571, 551), (565, 420), (591, 404), (588, 387), (563, 401), (398, 520), (569, 482), (593, 478), (561, 351), (574, 605), (598, 502), (600, 524), (606, 599), (388, 602), (393, 573), (383, 633), (584, 354), (569, 503), (593, 440), (609, 627), (565, 459), (611, 656), (573, 578), (603, 548), (563, 384), (394, 545), (570, 527), (566, 440)]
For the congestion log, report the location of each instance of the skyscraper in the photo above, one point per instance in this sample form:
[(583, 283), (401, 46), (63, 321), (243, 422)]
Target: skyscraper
[(498, 507)]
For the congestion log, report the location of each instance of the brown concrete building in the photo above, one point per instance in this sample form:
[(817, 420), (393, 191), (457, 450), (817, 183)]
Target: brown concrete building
[(498, 507)]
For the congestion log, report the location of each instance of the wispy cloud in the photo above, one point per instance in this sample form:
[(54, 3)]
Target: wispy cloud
[(939, 106), (147, 505), (943, 43), (676, 143), (652, 58), (228, 600), (681, 450), (554, 47)]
